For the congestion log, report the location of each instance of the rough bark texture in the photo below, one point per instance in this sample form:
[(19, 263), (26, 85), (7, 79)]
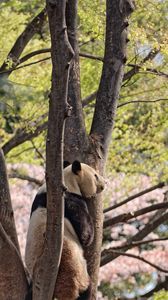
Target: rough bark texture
[(113, 69), (6, 211), (47, 266), (117, 13), (13, 282), (75, 134)]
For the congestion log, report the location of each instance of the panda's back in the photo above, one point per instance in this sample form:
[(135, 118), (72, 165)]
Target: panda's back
[(35, 237)]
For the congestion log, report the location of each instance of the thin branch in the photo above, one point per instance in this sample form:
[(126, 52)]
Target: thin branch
[(152, 188), (23, 135), (135, 68), (148, 228), (87, 55), (138, 243), (34, 53), (89, 98), (142, 101), (133, 214), (37, 151), (137, 257), (15, 174), (26, 65), (150, 70), (22, 151)]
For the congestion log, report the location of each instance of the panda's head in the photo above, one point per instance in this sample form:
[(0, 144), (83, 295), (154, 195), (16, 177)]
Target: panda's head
[(82, 179)]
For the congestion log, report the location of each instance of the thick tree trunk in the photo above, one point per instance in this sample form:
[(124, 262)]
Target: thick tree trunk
[(47, 266), (13, 281), (76, 140), (117, 13)]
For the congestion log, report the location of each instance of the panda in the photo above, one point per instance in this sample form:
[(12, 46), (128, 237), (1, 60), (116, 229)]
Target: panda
[(82, 182)]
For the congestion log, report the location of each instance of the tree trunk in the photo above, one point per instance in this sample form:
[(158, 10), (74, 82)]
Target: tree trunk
[(13, 281), (75, 134), (117, 13), (47, 266)]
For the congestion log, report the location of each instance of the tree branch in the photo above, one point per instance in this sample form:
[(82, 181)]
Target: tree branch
[(22, 135), (131, 215), (150, 70), (33, 27), (142, 101), (152, 188), (137, 244), (15, 174), (148, 228), (47, 265), (106, 252)]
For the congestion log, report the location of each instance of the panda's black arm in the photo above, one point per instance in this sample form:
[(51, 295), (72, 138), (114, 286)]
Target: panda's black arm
[(76, 212), (40, 200)]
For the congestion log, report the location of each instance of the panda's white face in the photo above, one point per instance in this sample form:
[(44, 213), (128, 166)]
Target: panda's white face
[(82, 179)]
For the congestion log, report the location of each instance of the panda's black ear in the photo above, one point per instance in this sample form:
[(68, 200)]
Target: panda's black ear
[(76, 167), (66, 164)]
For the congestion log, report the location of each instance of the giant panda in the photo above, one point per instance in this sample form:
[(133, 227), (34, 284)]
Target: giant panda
[(73, 281)]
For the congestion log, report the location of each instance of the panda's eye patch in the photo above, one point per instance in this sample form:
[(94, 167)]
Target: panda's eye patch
[(97, 178)]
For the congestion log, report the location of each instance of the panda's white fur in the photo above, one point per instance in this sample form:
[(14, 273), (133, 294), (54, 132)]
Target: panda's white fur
[(72, 278)]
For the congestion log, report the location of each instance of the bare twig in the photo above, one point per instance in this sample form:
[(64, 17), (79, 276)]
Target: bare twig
[(142, 101), (157, 186), (15, 174), (23, 135), (89, 98), (150, 70), (138, 243), (133, 214), (148, 228), (37, 151), (136, 257)]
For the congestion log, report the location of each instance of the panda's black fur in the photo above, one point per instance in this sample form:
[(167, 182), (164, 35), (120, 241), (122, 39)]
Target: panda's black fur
[(76, 212)]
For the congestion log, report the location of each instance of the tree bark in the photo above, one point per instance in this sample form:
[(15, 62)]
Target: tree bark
[(117, 13), (47, 266), (76, 140), (13, 281), (6, 210)]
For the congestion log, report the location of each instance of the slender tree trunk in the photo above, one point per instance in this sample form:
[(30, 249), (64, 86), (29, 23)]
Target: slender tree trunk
[(47, 266)]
